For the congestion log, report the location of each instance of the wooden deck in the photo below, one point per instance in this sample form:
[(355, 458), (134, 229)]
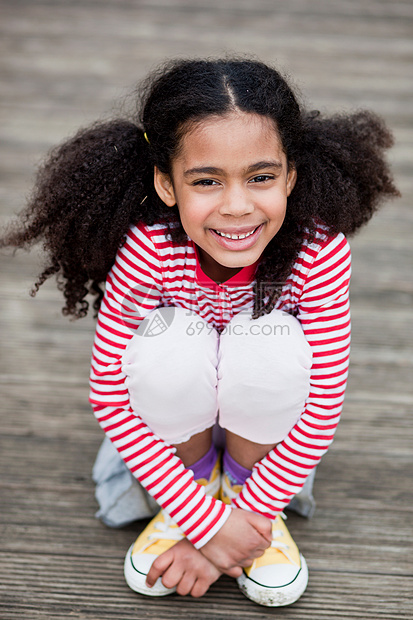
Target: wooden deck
[(62, 64)]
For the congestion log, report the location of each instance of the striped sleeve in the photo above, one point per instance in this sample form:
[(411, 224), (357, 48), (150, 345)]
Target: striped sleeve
[(324, 314), (133, 289)]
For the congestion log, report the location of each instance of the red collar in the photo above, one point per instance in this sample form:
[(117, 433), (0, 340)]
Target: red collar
[(244, 277)]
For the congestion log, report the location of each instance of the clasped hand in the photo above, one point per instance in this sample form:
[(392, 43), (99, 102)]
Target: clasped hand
[(243, 537)]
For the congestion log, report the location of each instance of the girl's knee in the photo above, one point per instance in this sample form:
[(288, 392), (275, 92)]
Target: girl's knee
[(171, 373), (264, 376)]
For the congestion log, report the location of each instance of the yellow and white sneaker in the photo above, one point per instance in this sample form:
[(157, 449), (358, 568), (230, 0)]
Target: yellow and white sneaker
[(159, 535), (280, 576)]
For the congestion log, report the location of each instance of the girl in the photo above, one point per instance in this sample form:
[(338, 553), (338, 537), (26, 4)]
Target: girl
[(217, 218)]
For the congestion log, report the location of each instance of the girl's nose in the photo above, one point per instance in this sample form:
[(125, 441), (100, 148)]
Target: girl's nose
[(236, 203)]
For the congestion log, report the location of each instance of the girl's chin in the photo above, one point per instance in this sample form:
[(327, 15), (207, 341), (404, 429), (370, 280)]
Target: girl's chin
[(234, 260)]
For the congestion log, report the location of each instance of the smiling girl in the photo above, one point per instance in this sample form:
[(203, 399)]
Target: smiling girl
[(217, 218), (230, 180)]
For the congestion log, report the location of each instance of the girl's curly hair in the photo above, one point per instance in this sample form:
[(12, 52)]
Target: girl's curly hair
[(95, 185)]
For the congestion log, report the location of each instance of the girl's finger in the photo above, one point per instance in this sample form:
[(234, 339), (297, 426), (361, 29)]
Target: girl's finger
[(158, 568), (200, 588), (173, 575), (186, 584)]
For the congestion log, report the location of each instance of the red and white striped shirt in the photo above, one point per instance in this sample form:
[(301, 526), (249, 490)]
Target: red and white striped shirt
[(151, 271)]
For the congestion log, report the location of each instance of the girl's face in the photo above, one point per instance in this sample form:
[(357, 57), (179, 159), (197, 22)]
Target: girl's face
[(230, 182)]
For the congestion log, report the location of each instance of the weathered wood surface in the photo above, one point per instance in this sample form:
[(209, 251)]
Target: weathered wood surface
[(62, 64)]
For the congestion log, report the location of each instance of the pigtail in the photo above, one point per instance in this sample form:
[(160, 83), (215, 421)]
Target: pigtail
[(342, 174), (86, 195), (342, 178)]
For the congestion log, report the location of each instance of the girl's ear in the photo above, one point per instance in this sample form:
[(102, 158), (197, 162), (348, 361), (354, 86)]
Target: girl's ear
[(291, 179), (164, 187)]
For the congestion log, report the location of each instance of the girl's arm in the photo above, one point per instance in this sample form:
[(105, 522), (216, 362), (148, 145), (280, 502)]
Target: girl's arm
[(324, 313), (133, 289)]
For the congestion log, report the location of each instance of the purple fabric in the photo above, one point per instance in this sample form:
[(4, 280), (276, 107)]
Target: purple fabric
[(235, 472), (203, 468)]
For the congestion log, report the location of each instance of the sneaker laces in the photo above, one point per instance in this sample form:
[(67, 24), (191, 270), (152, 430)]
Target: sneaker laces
[(167, 530), (280, 546)]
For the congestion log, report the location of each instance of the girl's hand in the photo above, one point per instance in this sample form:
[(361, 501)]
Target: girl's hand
[(186, 568), (243, 537)]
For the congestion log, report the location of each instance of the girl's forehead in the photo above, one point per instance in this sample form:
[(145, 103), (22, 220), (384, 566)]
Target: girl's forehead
[(231, 134), (230, 122)]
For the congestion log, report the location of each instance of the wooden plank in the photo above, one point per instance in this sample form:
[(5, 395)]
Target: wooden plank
[(51, 591)]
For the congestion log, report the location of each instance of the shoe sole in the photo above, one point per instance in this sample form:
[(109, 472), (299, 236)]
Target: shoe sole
[(275, 597), (137, 581)]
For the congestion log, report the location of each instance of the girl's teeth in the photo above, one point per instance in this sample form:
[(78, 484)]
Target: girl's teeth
[(228, 236)]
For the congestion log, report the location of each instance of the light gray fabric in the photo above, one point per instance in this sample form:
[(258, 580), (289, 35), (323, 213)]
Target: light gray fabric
[(120, 497), (304, 503), (123, 500)]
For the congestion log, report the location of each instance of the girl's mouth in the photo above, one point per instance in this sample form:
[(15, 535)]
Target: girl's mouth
[(237, 241)]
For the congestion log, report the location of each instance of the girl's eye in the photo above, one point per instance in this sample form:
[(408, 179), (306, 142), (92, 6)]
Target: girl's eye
[(205, 182), (261, 178)]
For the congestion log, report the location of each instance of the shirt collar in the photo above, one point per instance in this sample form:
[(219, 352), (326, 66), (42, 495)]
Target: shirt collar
[(244, 277)]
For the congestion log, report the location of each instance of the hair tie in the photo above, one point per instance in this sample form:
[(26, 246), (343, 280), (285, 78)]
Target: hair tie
[(145, 135)]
